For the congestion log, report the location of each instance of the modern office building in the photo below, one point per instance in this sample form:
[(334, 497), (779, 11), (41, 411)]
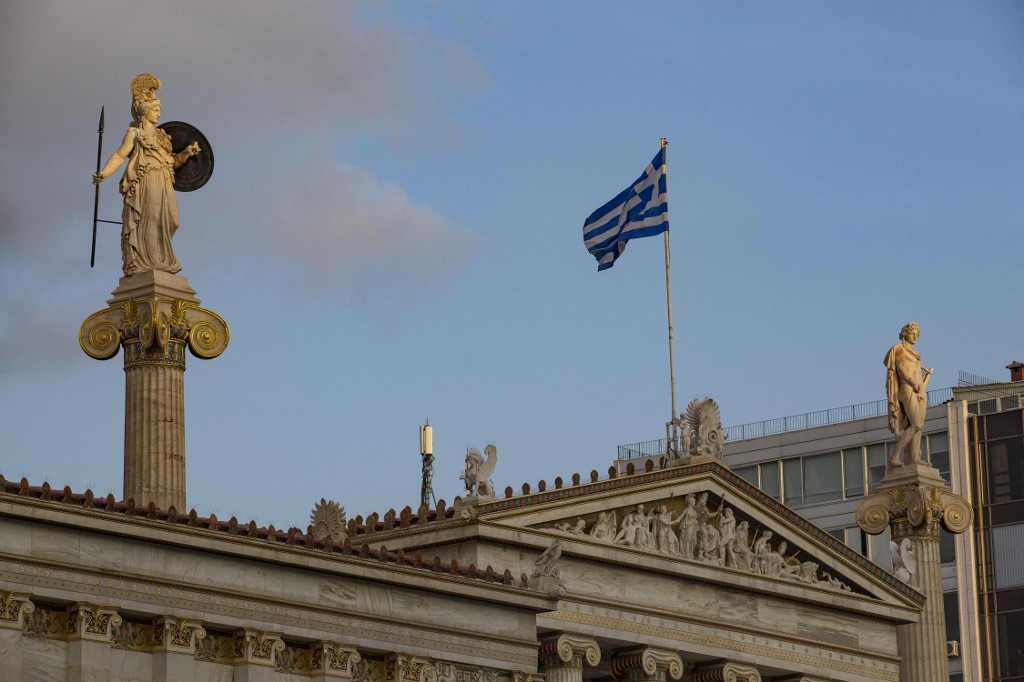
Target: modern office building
[(822, 464)]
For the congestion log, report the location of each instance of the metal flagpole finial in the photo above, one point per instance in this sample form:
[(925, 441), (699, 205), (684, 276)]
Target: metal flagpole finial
[(664, 142)]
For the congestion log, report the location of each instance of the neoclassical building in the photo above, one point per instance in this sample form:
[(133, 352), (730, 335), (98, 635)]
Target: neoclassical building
[(682, 572)]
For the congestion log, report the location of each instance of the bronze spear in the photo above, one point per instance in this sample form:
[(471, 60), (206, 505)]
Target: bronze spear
[(96, 204)]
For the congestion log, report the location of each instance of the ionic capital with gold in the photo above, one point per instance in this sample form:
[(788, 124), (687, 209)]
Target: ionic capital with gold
[(646, 665), (333, 660), (92, 622), (176, 634), (14, 606), (255, 647), (914, 510), (154, 329)]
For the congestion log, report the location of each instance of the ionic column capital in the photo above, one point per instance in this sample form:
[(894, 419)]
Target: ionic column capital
[(646, 665), (569, 651), (726, 671), (914, 510)]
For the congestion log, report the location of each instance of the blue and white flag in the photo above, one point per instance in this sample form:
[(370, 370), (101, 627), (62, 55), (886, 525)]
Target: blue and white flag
[(640, 210)]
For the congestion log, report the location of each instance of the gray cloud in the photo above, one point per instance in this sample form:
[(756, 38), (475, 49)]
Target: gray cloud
[(276, 87)]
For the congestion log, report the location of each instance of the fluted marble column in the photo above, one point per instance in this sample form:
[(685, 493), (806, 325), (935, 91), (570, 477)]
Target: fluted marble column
[(154, 316), (913, 501), (562, 657)]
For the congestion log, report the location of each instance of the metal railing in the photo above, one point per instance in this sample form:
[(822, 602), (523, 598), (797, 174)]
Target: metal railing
[(971, 379), (770, 427)]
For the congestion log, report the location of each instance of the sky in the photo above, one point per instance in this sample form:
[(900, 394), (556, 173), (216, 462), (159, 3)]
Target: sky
[(393, 227)]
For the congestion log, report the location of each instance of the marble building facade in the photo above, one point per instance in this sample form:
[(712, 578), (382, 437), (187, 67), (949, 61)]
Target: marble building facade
[(532, 586)]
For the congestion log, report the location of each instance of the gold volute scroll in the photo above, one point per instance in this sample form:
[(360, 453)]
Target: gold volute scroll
[(100, 335)]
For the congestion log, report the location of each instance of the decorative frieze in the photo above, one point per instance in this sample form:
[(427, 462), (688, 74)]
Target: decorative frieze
[(693, 529)]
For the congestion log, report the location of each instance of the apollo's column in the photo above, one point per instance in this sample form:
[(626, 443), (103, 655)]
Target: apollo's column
[(154, 315), (913, 501)]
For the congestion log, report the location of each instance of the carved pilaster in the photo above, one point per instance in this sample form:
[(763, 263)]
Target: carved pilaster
[(91, 622), (334, 661), (14, 607), (646, 665), (255, 647), (561, 658), (402, 668), (725, 671), (176, 634)]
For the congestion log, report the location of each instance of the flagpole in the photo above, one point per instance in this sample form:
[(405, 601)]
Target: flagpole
[(668, 301)]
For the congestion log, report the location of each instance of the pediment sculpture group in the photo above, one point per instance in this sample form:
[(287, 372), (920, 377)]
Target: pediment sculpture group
[(699, 534)]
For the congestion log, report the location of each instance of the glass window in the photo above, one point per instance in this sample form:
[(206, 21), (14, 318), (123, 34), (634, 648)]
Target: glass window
[(1007, 567), (823, 478), (793, 482), (747, 473), (951, 609), (876, 465), (1006, 469), (853, 471), (938, 452), (947, 547), (838, 534), (879, 550), (1011, 653), (770, 479), (987, 406), (855, 539), (1010, 403)]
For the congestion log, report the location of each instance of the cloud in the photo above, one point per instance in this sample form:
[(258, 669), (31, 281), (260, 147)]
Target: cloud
[(278, 89)]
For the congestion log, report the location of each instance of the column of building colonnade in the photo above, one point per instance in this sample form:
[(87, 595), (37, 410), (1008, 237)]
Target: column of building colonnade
[(561, 657)]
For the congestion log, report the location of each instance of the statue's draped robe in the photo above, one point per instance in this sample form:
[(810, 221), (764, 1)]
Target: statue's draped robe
[(150, 215), (901, 362)]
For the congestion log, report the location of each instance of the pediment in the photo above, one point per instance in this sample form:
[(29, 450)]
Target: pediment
[(707, 522)]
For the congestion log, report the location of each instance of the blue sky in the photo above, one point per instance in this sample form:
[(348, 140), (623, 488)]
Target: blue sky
[(392, 230)]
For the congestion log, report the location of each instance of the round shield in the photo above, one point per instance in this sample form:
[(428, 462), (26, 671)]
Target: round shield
[(194, 173)]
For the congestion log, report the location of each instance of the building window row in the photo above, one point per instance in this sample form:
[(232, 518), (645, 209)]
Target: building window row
[(837, 475)]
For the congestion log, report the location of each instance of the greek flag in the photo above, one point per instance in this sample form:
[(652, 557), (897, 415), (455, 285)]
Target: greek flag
[(640, 210)]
